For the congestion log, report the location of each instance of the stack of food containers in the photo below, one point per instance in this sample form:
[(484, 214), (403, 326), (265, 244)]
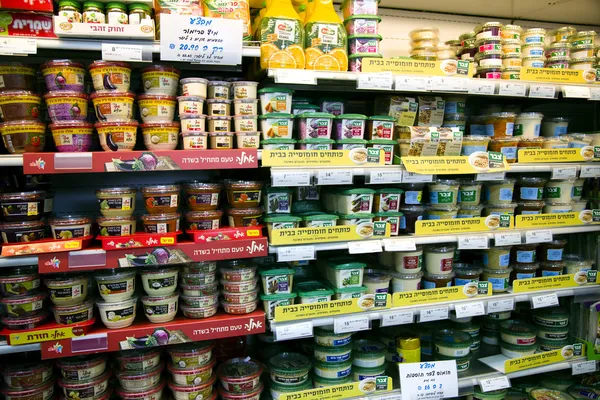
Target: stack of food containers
[(277, 281), (489, 50), (368, 359), (85, 375), (423, 44), (191, 370), (240, 287), (201, 301), (490, 328), (202, 201), (245, 114), (117, 288), (345, 276), (218, 120), (289, 372), (511, 51), (113, 104), (558, 52), (139, 374), (68, 293), (67, 106), (239, 379), (452, 344), (244, 199), (468, 325), (117, 205), (161, 201), (332, 362), (583, 50), (276, 120), (439, 265), (21, 301), (362, 26), (533, 48), (191, 113), (552, 328), (26, 380), (517, 338), (468, 48)]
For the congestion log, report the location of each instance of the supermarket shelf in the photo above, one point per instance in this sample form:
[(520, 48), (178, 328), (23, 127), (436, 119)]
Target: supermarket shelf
[(377, 315), (6, 349)]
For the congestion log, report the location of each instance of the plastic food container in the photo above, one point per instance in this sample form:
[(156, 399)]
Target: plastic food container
[(560, 190), (118, 314), (74, 314), (554, 126), (23, 206), (25, 376), (219, 124), (200, 196), (159, 108), (193, 87), (110, 76), (363, 43), (313, 292), (499, 209), (203, 220), (240, 298), (439, 259), (442, 211), (191, 354), (469, 193), (239, 217), (161, 223), (328, 354), (575, 263), (63, 75), (70, 226), (272, 301), (278, 126), (138, 360), (332, 370), (239, 287), (72, 136), (185, 392), (245, 123), (528, 125), (243, 194), (362, 24), (66, 289), (19, 281), (408, 262), (195, 375), (198, 312), (407, 282), (552, 251), (387, 200), (531, 188), (160, 79), (238, 375), (22, 306), (452, 343), (376, 281), (119, 136), (278, 100), (551, 317), (140, 381), (524, 271), (19, 106), (444, 191), (160, 199), (160, 309), (314, 125), (497, 257), (116, 226), (23, 136), (238, 309), (388, 147), (325, 337), (534, 62), (219, 90), (217, 107), (200, 301), (380, 127), (500, 192), (465, 274), (87, 390), (220, 140), (355, 61), (472, 144), (245, 107), (517, 351), (498, 278), (517, 332), (17, 76), (507, 146), (159, 281), (368, 353), (67, 106), (115, 106), (276, 279)]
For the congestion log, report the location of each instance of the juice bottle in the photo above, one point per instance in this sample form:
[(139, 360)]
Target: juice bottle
[(300, 7), (230, 9), (281, 37), (325, 40)]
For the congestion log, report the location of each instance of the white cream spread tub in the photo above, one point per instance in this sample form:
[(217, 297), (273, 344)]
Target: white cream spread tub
[(82, 368), (160, 309), (326, 337), (192, 375), (119, 314), (116, 284), (452, 343), (368, 353), (159, 281), (138, 360), (191, 354), (133, 380), (517, 332)]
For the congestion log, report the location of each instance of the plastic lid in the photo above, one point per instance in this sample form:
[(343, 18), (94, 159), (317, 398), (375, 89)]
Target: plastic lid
[(140, 6), (368, 348), (239, 369), (277, 115), (356, 216), (452, 338), (362, 16), (313, 288), (161, 68), (290, 363), (192, 80), (517, 328), (344, 262), (501, 271), (275, 90)]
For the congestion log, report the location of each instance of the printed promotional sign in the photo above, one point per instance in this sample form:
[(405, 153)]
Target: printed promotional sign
[(64, 27), (319, 158), (558, 75), (555, 282), (428, 380), (477, 163), (460, 68), (47, 332), (441, 295), (50, 246), (584, 217), (556, 155), (463, 225), (366, 387), (365, 302), (340, 233), (545, 358)]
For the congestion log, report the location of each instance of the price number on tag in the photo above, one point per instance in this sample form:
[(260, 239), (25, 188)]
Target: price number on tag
[(295, 253), (474, 309), (397, 318), (476, 86), (579, 92), (433, 314), (385, 176), (541, 236), (542, 91), (399, 244), (491, 384), (544, 300), (375, 81), (512, 89), (507, 238), (294, 331), (411, 177), (351, 324), (334, 177), (496, 306), (412, 84), (473, 242), (367, 246), (564, 173), (292, 178), (589, 171), (583, 367)]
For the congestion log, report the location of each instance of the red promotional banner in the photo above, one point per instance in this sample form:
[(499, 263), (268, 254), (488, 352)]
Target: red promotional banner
[(136, 161), (226, 250), (47, 332), (143, 334), (138, 240), (44, 246)]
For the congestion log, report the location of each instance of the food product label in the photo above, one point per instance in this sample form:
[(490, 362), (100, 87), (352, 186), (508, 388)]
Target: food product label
[(337, 358), (117, 230), (204, 225), (446, 264), (360, 203), (526, 340), (550, 273), (222, 142), (119, 203), (203, 199), (441, 197), (28, 209), (577, 191), (498, 283), (246, 196), (162, 201), (71, 233), (490, 47), (117, 287), (220, 92), (412, 262), (82, 374), (531, 193), (66, 292), (389, 202), (277, 284), (506, 194), (413, 197), (217, 109), (393, 222), (160, 309), (462, 282), (554, 254), (382, 129), (119, 315), (349, 277), (526, 256), (251, 220), (318, 127), (553, 192), (510, 153), (285, 30), (162, 282), (160, 227), (504, 260), (79, 316), (525, 276), (467, 196), (510, 128), (20, 309)]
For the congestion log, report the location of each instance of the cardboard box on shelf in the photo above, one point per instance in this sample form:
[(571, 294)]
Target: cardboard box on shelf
[(27, 24)]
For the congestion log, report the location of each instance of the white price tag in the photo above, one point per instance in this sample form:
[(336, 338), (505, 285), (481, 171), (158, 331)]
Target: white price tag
[(296, 76), (473, 242), (399, 244), (379, 176), (491, 384), (544, 300), (595, 93), (491, 176), (412, 84), (589, 171), (512, 89), (121, 52), (542, 91), (496, 306), (411, 177), (397, 318), (507, 238), (375, 81), (294, 331), (295, 253), (564, 173), (14, 45), (334, 177), (541, 236), (579, 92), (366, 246), (583, 367), (433, 314), (351, 324), (291, 178), (481, 86), (475, 309), (429, 380), (450, 84)]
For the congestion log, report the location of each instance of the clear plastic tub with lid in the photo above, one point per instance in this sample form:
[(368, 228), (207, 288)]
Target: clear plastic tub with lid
[(499, 192), (528, 125)]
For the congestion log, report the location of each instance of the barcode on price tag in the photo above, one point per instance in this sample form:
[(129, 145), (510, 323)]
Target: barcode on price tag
[(491, 384), (497, 306), (507, 238), (397, 318), (376, 81), (433, 314), (295, 253), (589, 171), (290, 178), (380, 176), (540, 236), (411, 177), (583, 367), (564, 173), (334, 177), (294, 331), (512, 89), (544, 300), (399, 244), (351, 324), (366, 246), (473, 242), (542, 91), (474, 309)]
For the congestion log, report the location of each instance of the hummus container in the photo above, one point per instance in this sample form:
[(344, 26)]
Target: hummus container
[(152, 393), (278, 144), (219, 90), (23, 206), (517, 332), (218, 108), (276, 279), (444, 192), (17, 76), (380, 127), (239, 287), (319, 220), (277, 200), (333, 370), (44, 391), (315, 125), (23, 136), (239, 217), (472, 144), (19, 281), (219, 124), (200, 267), (113, 106), (238, 375), (498, 278), (189, 376), (116, 226), (116, 202), (275, 100), (245, 107), (355, 201), (110, 76), (63, 75), (469, 193), (200, 196), (551, 317), (496, 257), (247, 140), (528, 125), (237, 271), (325, 337), (67, 106), (575, 263), (407, 282), (452, 343), (559, 191), (161, 223), (72, 136), (139, 360), (192, 123), (363, 43), (555, 126), (245, 123), (22, 306), (243, 194), (517, 351), (140, 380), (368, 353), (271, 301), (199, 312), (525, 253), (191, 105), (320, 382), (203, 220), (160, 79), (278, 390), (74, 314), (376, 281), (244, 89), (157, 108), (350, 126), (24, 323), (159, 281), (362, 373), (280, 221), (534, 35), (119, 314), (332, 354), (439, 259), (238, 309), (66, 289), (19, 106), (24, 376), (240, 298), (70, 227), (387, 200), (313, 292), (194, 87), (557, 333), (278, 126), (199, 301), (160, 199), (583, 51), (160, 309), (85, 390), (220, 140), (117, 136), (432, 281), (191, 355), (186, 392)]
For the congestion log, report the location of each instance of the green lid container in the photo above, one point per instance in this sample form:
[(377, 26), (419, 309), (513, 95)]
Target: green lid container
[(281, 218), (364, 55), (389, 142), (140, 6), (362, 16), (389, 190), (365, 36), (115, 4), (316, 141), (345, 262), (389, 214), (276, 115), (312, 289), (282, 389), (316, 115), (351, 116), (348, 192), (275, 90), (69, 3), (319, 217), (493, 395), (365, 348), (356, 216), (382, 118), (95, 4), (352, 141)]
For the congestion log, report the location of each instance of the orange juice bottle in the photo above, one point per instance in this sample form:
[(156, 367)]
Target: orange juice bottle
[(325, 39), (281, 37), (230, 9)]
